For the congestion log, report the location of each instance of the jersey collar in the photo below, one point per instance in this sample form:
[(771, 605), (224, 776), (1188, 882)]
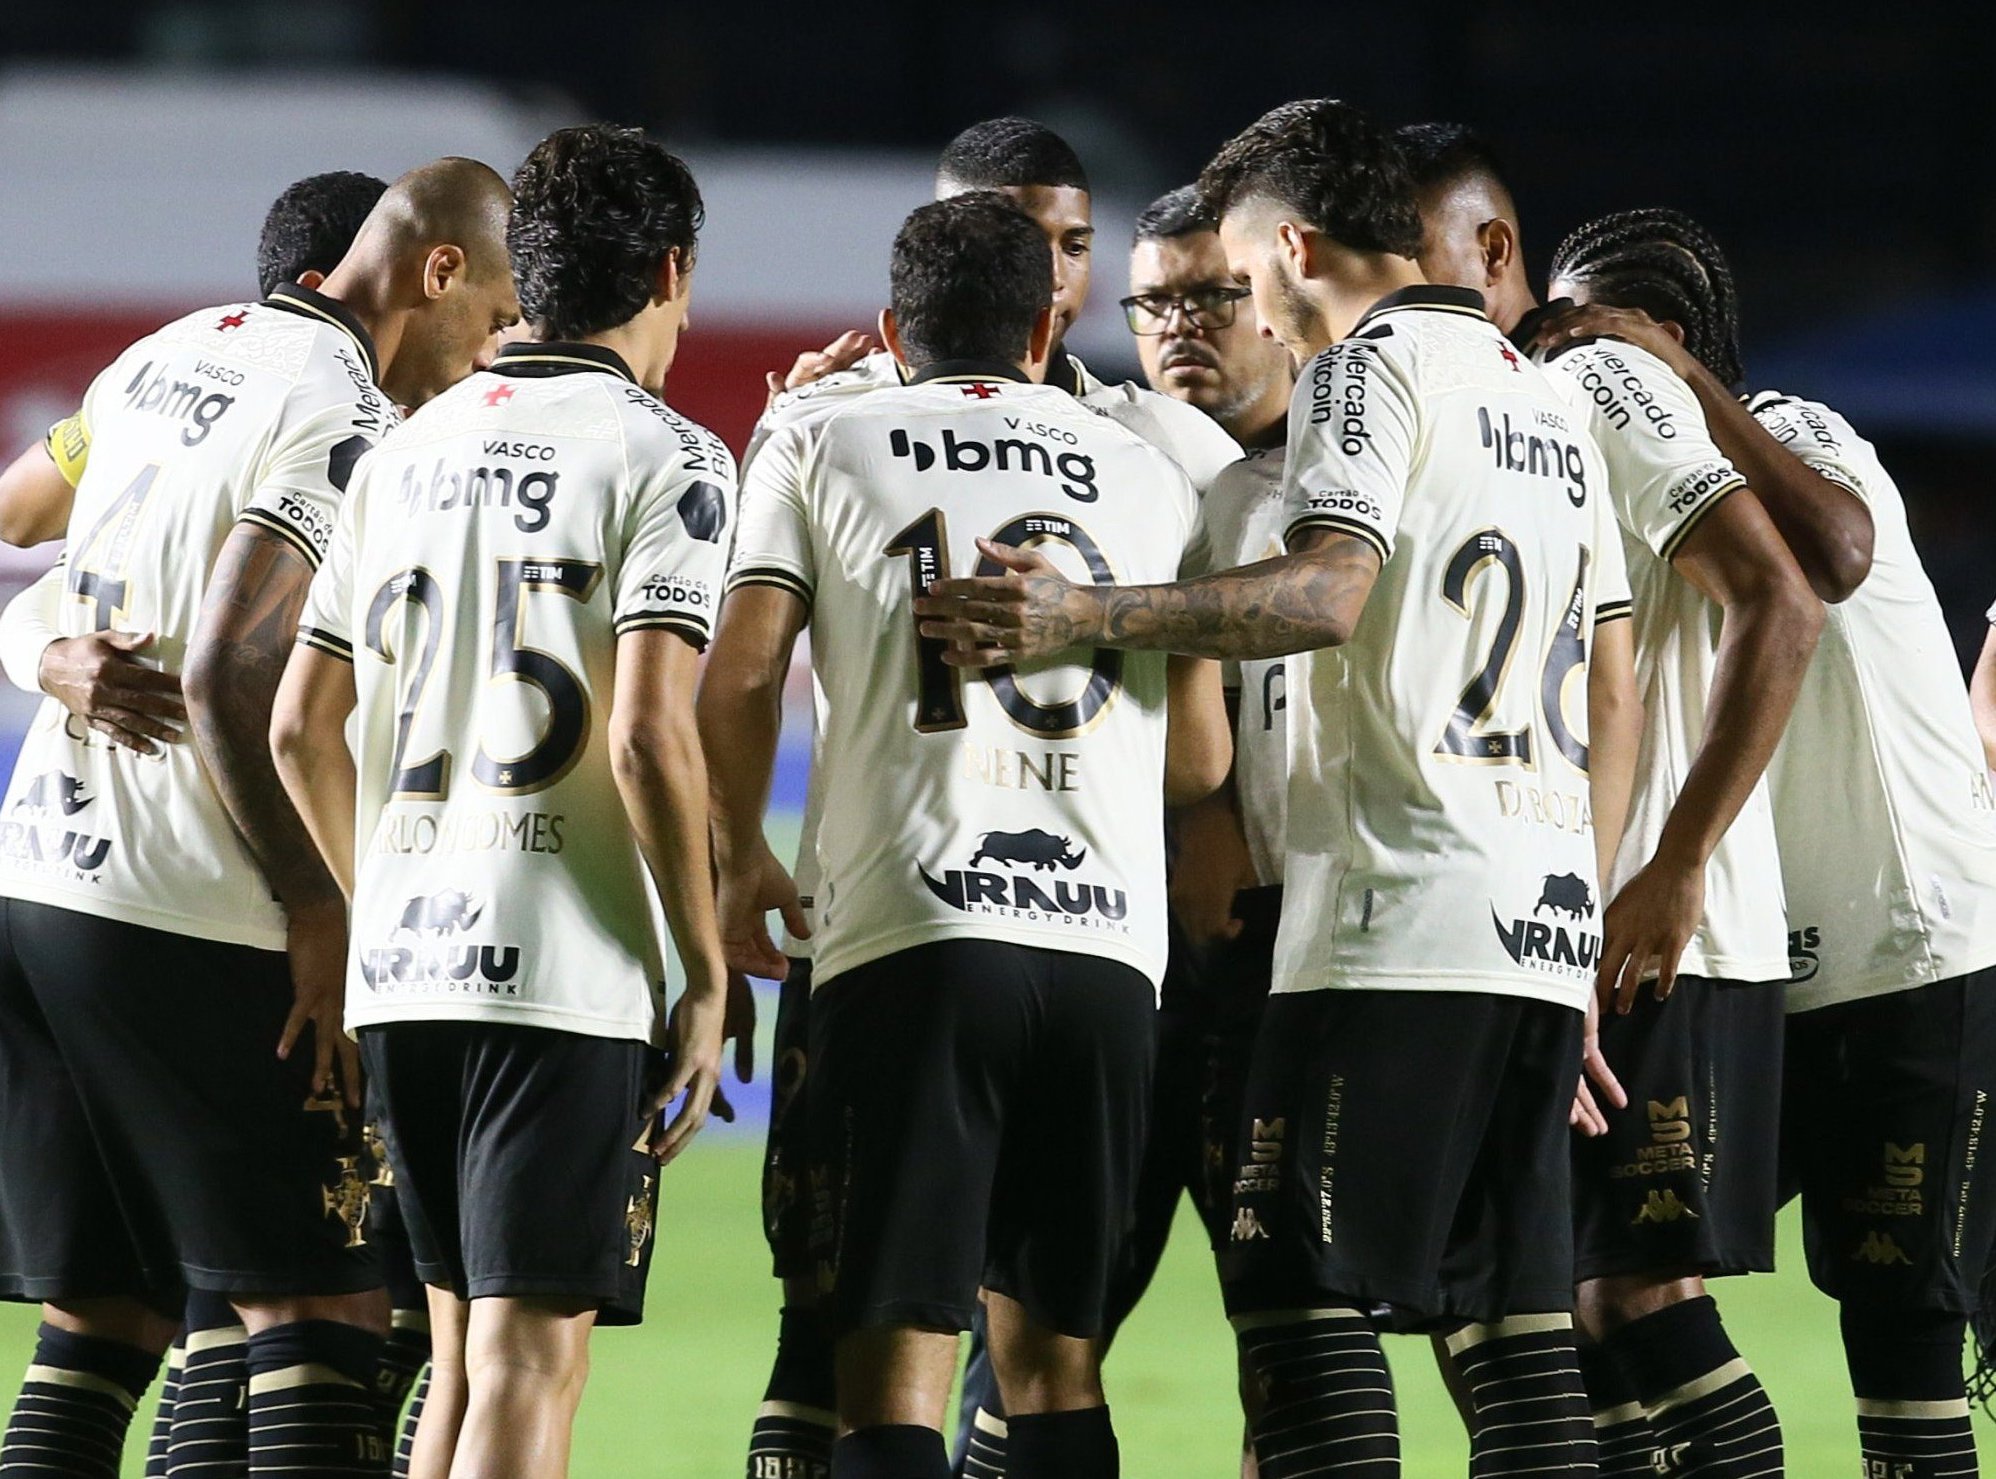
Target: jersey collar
[(944, 370), (1064, 373), (1425, 295), (559, 357), (292, 298)]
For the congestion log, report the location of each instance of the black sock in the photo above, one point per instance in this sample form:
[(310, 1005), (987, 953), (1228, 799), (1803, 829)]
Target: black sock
[(75, 1406), (891, 1452), (211, 1411), (1625, 1445), (1708, 1410), (1062, 1445), (794, 1428), (405, 1440), (1530, 1409), (311, 1401), (1912, 1403), (984, 1446), (403, 1356), (1327, 1398), (162, 1422)]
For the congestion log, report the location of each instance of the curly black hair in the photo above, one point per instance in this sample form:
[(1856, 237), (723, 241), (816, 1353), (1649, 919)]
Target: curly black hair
[(1176, 213), (1329, 162), (596, 209), (1007, 153), (1443, 153), (1668, 265), (310, 226), (969, 274)]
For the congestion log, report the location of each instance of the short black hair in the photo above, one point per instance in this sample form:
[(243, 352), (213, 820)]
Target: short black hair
[(1176, 213), (1009, 153), (1668, 265), (596, 208), (310, 226), (969, 275), (1329, 162), (1443, 153)]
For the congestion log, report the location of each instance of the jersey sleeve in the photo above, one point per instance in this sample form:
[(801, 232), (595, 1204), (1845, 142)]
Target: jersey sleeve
[(1612, 598), (1820, 438), (1352, 429), (1193, 440), (306, 469), (68, 446), (1665, 473), (28, 625), (676, 548), (327, 622), (773, 545)]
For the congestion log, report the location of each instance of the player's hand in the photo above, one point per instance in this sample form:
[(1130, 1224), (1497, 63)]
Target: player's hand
[(316, 941), (1586, 1115), (815, 364), (1202, 900), (1649, 923), (1574, 323), (97, 678), (1031, 610), (743, 898), (740, 1026), (693, 1070)]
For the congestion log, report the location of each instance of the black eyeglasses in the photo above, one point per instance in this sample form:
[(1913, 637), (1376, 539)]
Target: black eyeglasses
[(1204, 308)]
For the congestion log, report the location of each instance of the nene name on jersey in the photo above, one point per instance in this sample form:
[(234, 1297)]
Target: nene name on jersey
[(253, 411), (1023, 805), (1439, 832), (1666, 474), (1881, 801), (491, 553)]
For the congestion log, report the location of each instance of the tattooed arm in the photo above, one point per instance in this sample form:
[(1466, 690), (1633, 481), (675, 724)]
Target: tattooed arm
[(1309, 598)]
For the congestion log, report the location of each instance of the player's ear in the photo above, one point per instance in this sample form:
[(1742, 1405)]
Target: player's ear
[(890, 335), (1499, 240), (1039, 342), (441, 268), (1292, 245), (1673, 328), (675, 277), (311, 277)]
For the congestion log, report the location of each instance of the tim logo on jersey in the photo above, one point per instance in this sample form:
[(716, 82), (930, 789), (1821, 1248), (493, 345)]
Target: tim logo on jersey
[(1557, 935), (35, 834), (1003, 881), (421, 955)]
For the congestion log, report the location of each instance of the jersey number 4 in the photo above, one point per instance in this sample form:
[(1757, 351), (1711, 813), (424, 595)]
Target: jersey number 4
[(97, 571), (939, 687), (560, 744)]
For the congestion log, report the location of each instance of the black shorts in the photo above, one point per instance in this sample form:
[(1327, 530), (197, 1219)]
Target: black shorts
[(1886, 1119), (515, 1159), (786, 1215), (977, 1117), (1407, 1149), (151, 1140), (387, 1234), (1685, 1181)]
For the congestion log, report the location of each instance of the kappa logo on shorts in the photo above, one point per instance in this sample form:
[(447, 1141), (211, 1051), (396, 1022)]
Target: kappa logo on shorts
[(346, 1200), (1661, 1206), (1247, 1226), (1881, 1249), (376, 1146), (638, 1224)]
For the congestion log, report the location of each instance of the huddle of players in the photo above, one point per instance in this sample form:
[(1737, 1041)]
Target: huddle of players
[(984, 898)]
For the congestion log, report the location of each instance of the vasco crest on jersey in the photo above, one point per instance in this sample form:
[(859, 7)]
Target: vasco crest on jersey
[(1558, 933), (1031, 877), (39, 834), (421, 955)]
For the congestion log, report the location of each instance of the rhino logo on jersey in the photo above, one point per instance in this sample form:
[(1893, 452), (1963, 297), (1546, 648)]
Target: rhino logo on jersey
[(449, 912), (703, 509), (1566, 893), (1039, 850), (54, 791)]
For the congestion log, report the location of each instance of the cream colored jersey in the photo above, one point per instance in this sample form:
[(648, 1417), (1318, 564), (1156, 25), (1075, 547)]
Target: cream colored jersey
[(492, 552), (1438, 831), (1024, 805), (1244, 523), (1666, 474), (255, 413), (1882, 803)]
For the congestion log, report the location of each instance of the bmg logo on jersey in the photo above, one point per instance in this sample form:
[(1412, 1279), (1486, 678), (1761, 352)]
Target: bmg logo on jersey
[(474, 487), (1011, 894), (1075, 470), (34, 838), (429, 963), (178, 400), (1534, 455)]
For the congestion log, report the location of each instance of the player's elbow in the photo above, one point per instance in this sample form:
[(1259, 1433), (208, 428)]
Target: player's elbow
[(652, 754), (1844, 565), (201, 677), (1196, 765), (1790, 616)]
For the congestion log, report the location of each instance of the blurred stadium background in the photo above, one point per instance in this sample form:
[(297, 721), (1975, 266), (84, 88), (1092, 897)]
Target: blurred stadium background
[(1845, 155)]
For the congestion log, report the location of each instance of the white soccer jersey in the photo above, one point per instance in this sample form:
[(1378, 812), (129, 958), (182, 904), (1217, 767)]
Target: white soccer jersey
[(1023, 806), (254, 411), (1881, 800), (1666, 474), (1439, 836), (492, 551), (1244, 523)]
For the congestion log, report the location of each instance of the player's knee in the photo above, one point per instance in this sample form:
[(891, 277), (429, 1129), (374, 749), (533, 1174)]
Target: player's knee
[(367, 1309), (1602, 1306), (1040, 1371), (127, 1321)]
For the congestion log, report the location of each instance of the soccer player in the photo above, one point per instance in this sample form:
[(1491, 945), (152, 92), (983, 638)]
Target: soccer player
[(1682, 1187), (984, 967), (1887, 829), (518, 593), (1445, 935), (173, 1137)]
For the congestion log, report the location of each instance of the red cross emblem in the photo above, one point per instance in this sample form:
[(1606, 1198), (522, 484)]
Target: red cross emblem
[(982, 391), (1509, 358), (498, 394), (231, 321)]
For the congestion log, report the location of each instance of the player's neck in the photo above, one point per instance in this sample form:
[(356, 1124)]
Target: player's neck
[(642, 345), (1358, 281), (1509, 304), (369, 295)]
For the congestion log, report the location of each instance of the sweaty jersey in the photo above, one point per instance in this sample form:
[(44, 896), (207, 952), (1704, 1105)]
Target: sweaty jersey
[(1439, 835), (1666, 474), (1022, 805), (1882, 803), (492, 552), (251, 412), (1244, 522)]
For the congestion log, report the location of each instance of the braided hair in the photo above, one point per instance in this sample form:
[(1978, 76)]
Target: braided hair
[(1666, 264)]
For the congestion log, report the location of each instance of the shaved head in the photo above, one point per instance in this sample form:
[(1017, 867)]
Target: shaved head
[(1469, 222), (455, 202)]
